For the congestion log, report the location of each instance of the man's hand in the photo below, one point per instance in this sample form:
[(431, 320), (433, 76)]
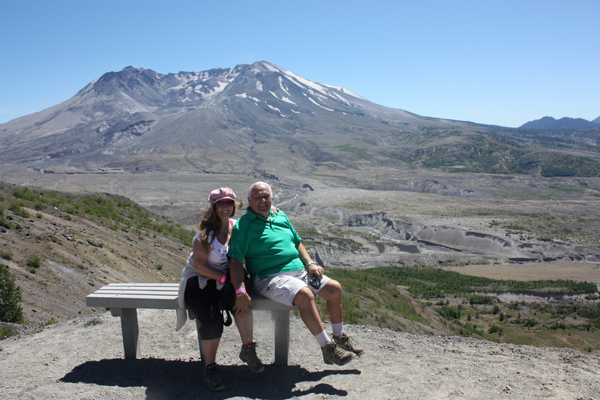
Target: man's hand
[(242, 304), (315, 270)]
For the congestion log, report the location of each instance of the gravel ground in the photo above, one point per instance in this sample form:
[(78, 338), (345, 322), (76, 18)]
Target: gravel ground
[(79, 360)]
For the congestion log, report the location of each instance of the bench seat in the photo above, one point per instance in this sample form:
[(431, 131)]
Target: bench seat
[(124, 299)]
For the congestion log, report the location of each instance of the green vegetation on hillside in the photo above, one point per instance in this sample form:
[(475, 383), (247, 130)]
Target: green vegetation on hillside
[(568, 165), (469, 305), (487, 154), (115, 212), (569, 139), (426, 283), (475, 153), (10, 296)]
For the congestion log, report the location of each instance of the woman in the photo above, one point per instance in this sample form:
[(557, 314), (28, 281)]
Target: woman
[(206, 289)]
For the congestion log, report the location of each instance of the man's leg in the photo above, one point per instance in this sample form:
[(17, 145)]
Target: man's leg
[(305, 300), (332, 353), (332, 293)]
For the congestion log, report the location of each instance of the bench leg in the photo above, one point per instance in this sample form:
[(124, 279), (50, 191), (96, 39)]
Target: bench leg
[(282, 335), (130, 330)]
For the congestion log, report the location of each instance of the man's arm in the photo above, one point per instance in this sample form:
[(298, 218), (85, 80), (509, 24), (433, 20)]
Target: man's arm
[(242, 300), (313, 268)]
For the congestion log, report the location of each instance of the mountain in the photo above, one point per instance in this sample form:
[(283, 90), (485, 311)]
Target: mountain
[(140, 120), (257, 119), (124, 119), (561, 124)]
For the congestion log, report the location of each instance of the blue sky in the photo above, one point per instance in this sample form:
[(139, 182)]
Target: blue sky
[(493, 62)]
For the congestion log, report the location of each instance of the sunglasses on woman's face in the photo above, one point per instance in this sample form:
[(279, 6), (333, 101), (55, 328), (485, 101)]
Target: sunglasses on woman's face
[(225, 203)]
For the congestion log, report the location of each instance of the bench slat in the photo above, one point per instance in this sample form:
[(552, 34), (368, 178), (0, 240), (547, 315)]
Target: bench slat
[(146, 286), (157, 284), (136, 292), (154, 302)]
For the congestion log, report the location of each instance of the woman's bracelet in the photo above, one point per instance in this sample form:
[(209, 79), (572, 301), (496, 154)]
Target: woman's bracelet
[(224, 277), (312, 262), (240, 292)]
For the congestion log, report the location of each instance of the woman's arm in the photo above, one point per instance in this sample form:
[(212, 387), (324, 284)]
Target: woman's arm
[(200, 257)]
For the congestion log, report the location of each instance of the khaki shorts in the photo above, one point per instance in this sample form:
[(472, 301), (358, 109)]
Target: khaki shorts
[(283, 287)]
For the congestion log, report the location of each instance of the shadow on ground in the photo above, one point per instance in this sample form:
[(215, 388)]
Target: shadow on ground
[(167, 380)]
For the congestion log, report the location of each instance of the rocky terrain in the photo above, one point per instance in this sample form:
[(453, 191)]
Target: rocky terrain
[(81, 359)]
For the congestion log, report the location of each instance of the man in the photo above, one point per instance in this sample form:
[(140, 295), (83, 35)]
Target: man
[(283, 271)]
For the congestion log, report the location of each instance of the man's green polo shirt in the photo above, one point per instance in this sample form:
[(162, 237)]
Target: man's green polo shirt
[(268, 247)]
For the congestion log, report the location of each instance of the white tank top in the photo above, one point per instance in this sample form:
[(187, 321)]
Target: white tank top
[(218, 252)]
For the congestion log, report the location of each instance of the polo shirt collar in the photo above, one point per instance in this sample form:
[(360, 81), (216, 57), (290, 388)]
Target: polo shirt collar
[(253, 215)]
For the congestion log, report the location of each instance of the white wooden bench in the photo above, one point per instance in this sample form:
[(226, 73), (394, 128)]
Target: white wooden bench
[(124, 299)]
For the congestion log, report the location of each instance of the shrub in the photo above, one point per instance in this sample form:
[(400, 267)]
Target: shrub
[(5, 333), (480, 299), (17, 209), (10, 296), (558, 325), (7, 254), (449, 312), (495, 328), (93, 321), (3, 222), (34, 261)]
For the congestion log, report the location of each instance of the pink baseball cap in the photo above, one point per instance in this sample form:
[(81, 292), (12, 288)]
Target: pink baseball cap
[(219, 194)]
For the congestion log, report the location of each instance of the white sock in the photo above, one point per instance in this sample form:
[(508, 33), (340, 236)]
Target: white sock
[(338, 329), (323, 338)]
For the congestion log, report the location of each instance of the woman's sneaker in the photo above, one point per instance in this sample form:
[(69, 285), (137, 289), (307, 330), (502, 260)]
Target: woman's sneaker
[(248, 355), (334, 354), (346, 343), (211, 378)]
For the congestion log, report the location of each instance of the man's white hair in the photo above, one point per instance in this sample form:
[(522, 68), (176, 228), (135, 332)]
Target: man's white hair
[(257, 184)]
